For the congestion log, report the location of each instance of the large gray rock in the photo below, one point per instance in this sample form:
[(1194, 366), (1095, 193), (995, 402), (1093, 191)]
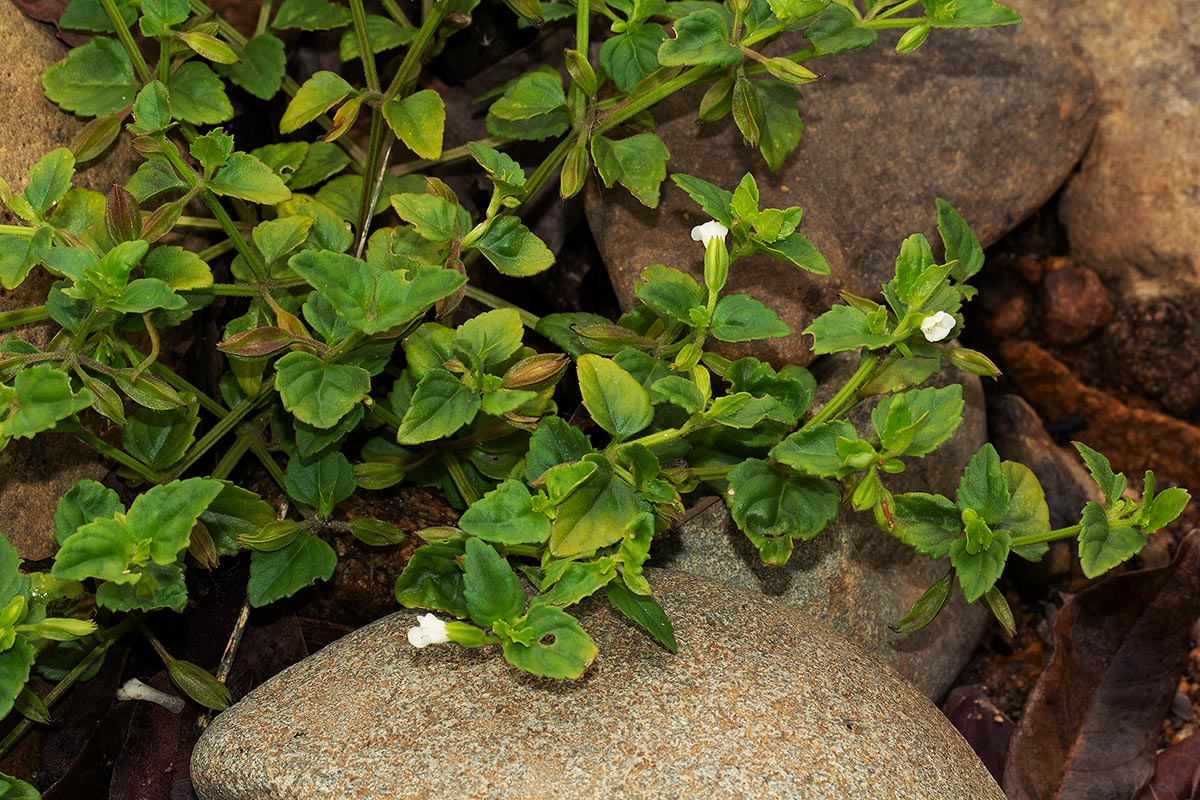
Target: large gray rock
[(853, 576), (991, 120), (1132, 211), (758, 702)]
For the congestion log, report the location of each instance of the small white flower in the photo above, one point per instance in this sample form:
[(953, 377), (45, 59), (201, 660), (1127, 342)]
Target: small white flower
[(937, 326), (432, 631), (708, 231), (136, 690)]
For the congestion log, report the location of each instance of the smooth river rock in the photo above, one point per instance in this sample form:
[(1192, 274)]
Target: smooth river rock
[(853, 576), (1132, 211), (991, 120), (759, 702)]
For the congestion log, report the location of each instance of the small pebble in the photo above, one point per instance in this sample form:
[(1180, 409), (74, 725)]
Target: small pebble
[(1075, 305), (1029, 269)]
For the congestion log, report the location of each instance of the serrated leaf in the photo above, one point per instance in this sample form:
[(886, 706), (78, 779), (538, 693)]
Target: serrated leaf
[(86, 501), (959, 241), (505, 515), (1028, 513), (983, 486), (320, 482), (602, 510), (630, 56), (261, 68), (245, 177), (159, 16), (701, 37), (814, 450), (317, 393), (281, 573), (938, 409), (555, 441), (837, 30), (843, 328), (93, 80), (440, 406), (741, 318), (315, 96), (978, 572), (49, 179), (160, 438), (277, 237), (15, 664), (1166, 506), (103, 548), (310, 15), (615, 399), (772, 508), (1112, 485), (559, 647), (383, 34), (780, 134), (712, 199), (41, 397), (968, 13), (433, 579), (198, 96), (514, 249), (166, 514), (1102, 545), (419, 121), (639, 163)]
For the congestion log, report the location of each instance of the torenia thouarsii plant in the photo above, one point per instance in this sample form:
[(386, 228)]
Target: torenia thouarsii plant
[(347, 369)]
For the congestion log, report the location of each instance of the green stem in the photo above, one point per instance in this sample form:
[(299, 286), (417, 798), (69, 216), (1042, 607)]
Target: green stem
[(846, 396), (384, 415), (632, 106), (379, 150), (396, 14), (199, 223), (894, 10), (222, 427), (666, 436), (365, 52), (259, 448), (232, 456), (215, 251), (106, 639), (1049, 536), (448, 157), (117, 455), (17, 230), (23, 316), (264, 17), (550, 165), (712, 473), (248, 289), (163, 70), (127, 42), (180, 384), (454, 467), (490, 300), (406, 76), (903, 22)]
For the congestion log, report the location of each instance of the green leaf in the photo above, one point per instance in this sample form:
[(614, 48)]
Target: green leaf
[(968, 13), (89, 15), (440, 406), (93, 80), (418, 120), (434, 218), (602, 510), (747, 109), (321, 161), (560, 648), (780, 134), (983, 486), (614, 398), (492, 589), (701, 37), (208, 47), (814, 450), (670, 293), (505, 515), (166, 514), (281, 573), (317, 393), (154, 587), (939, 408), (491, 338), (843, 328), (1165, 507), (433, 579), (993, 598), (104, 548), (712, 199), (514, 249), (146, 294), (49, 179), (198, 96), (247, 178), (1112, 485), (376, 533), (382, 33), (677, 391), (773, 509), (630, 56), (20, 254), (960, 242), (791, 388), (321, 482), (978, 572), (310, 15), (152, 178), (41, 397), (1028, 513), (1102, 545), (212, 150), (837, 30), (160, 438), (645, 611), (927, 607), (555, 441), (315, 96), (159, 16), (234, 513), (86, 501), (639, 163), (15, 664), (504, 172), (534, 94), (151, 109), (198, 684), (277, 237), (261, 68), (793, 10), (741, 318)]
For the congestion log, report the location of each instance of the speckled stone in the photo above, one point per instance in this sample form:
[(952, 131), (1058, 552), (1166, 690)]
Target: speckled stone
[(759, 702), (853, 576), (992, 120)]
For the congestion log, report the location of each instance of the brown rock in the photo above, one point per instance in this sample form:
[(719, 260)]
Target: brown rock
[(991, 120), (1075, 305), (1133, 439), (1030, 269), (1006, 304), (1132, 211), (1152, 347)]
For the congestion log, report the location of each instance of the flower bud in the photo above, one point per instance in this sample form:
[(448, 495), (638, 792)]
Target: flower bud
[(937, 327), (122, 217), (912, 39), (972, 361)]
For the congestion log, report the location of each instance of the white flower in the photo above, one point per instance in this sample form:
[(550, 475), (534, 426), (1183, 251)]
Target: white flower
[(136, 690), (937, 326), (708, 231), (432, 631)]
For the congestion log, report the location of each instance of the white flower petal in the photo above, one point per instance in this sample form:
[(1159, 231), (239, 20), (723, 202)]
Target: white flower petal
[(431, 631), (709, 231), (937, 327)]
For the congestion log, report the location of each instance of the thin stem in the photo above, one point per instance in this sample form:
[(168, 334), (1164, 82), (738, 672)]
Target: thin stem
[(459, 477), (106, 640), (902, 22), (712, 473), (222, 427), (215, 251), (396, 14), (632, 106), (23, 231), (117, 455), (264, 17), (490, 300), (239, 448), (23, 316), (259, 448), (365, 52), (406, 76), (1069, 532), (200, 223), (155, 345), (665, 436), (163, 70), (548, 167), (847, 395), (894, 10), (379, 150), (248, 289), (384, 415), (127, 42)]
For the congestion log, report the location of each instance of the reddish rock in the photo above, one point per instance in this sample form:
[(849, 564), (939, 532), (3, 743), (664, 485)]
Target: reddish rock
[(1006, 304), (1075, 305), (1029, 269), (1152, 348)]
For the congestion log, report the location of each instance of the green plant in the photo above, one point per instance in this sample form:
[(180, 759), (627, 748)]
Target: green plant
[(344, 344)]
